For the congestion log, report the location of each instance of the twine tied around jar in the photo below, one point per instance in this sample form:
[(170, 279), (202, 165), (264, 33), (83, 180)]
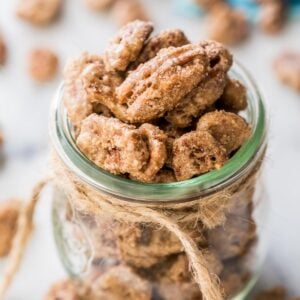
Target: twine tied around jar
[(211, 210)]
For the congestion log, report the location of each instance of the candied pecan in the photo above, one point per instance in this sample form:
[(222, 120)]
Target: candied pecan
[(164, 39), (143, 245), (276, 293), (232, 238), (234, 97), (113, 145), (100, 84), (9, 213), (156, 141), (121, 282), (208, 91), (287, 68), (126, 46), (121, 148), (207, 5), (98, 4), (158, 85), (125, 11), (43, 64), (229, 129), (39, 12), (273, 15), (220, 59), (197, 101), (75, 98), (227, 25), (68, 289), (195, 153), (2, 50)]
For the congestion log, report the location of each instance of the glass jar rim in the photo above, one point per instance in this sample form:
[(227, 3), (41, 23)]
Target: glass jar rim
[(197, 187)]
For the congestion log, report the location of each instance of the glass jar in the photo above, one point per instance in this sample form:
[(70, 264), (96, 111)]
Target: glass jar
[(117, 236)]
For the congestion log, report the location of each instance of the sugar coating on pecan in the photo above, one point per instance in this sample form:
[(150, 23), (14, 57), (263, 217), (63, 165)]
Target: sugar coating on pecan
[(75, 98), (9, 213), (229, 129), (2, 50), (68, 289), (197, 101), (234, 97), (43, 64), (125, 47), (100, 84), (39, 12), (195, 153), (227, 25), (121, 282), (164, 39), (208, 91), (158, 85), (287, 68), (112, 145), (122, 149), (156, 141), (273, 15), (98, 4), (125, 11)]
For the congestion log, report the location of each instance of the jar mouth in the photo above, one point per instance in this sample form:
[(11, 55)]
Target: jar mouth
[(203, 185)]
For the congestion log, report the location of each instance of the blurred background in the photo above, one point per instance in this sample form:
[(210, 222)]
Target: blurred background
[(24, 112)]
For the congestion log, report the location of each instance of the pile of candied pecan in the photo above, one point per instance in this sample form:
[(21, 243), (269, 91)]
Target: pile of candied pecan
[(156, 108)]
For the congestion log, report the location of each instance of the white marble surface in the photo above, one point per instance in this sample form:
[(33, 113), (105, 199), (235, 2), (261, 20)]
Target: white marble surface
[(24, 109)]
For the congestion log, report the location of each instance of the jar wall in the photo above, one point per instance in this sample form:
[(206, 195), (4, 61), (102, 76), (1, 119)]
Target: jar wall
[(141, 260)]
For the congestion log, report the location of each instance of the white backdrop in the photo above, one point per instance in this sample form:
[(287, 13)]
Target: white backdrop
[(24, 109)]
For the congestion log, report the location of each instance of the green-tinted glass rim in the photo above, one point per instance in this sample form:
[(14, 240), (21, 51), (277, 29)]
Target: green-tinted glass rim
[(186, 190)]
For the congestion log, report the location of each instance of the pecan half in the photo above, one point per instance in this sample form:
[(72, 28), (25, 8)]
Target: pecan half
[(208, 91), (156, 140), (125, 47), (164, 39), (77, 105), (195, 153), (234, 97), (273, 15), (227, 25), (229, 129), (39, 12), (122, 149), (43, 64), (125, 11), (112, 145), (158, 85), (287, 68)]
